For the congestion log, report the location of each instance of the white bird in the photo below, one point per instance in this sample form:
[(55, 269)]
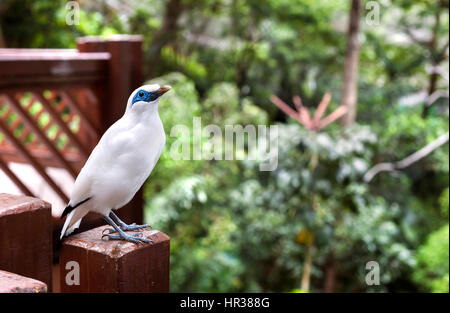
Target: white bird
[(119, 165)]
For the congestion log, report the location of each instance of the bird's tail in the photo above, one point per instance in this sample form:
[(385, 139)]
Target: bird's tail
[(73, 221)]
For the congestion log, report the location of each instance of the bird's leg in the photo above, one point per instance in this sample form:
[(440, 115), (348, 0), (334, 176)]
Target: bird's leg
[(125, 226), (121, 234)]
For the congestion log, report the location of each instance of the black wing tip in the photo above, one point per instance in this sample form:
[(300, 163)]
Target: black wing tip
[(67, 210), (70, 208)]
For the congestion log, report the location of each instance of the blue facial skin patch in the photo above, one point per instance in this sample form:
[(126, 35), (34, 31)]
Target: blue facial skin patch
[(145, 96)]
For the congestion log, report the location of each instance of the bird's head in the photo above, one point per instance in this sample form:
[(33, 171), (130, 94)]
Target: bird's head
[(146, 98)]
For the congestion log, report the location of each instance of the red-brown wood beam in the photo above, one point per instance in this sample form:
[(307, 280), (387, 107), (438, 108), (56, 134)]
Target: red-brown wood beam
[(16, 180), (86, 122), (39, 133), (14, 283), (114, 265), (26, 237), (57, 119), (28, 157)]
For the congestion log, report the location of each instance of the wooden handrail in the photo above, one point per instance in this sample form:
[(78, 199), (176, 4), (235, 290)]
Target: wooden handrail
[(33, 69)]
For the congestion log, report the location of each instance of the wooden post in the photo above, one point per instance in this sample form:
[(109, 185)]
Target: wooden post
[(125, 71), (13, 283), (26, 237), (104, 265), (124, 75)]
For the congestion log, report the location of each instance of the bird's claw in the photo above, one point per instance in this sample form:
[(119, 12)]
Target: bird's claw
[(110, 231), (125, 228), (137, 238), (133, 226)]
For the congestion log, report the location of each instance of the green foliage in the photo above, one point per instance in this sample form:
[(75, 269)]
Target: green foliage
[(443, 201), (36, 24), (432, 270), (409, 130), (316, 186), (177, 107)]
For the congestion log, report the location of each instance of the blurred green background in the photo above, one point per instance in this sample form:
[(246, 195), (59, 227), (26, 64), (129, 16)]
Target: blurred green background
[(313, 223)]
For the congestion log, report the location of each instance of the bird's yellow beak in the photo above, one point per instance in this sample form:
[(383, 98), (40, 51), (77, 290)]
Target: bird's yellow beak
[(163, 89)]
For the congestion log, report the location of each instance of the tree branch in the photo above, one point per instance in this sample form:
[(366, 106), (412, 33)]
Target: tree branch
[(424, 43), (416, 156), (436, 96)]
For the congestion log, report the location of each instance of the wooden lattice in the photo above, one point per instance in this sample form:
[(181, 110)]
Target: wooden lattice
[(47, 127)]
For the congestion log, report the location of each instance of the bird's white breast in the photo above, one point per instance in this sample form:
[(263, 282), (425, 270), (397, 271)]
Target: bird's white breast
[(122, 161)]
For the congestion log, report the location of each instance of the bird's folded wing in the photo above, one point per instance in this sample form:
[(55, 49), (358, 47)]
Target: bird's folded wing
[(82, 189), (70, 207), (111, 146)]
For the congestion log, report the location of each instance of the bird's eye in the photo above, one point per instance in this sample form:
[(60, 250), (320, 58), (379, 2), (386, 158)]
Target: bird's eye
[(141, 93)]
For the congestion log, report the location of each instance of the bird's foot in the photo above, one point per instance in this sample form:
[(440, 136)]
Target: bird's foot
[(133, 226), (136, 238), (126, 227)]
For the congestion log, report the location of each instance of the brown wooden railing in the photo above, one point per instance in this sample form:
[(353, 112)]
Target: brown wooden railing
[(87, 263), (56, 103)]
